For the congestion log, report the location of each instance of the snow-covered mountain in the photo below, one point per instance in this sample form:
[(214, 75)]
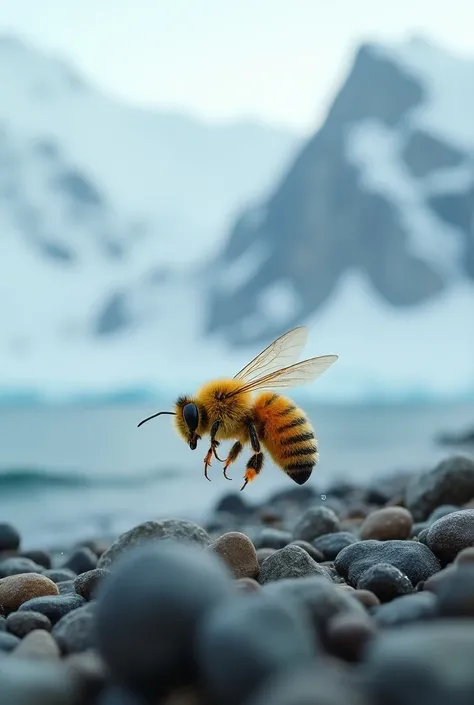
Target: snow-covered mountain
[(141, 250)]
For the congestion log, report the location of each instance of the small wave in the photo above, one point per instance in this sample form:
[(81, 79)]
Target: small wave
[(34, 479)]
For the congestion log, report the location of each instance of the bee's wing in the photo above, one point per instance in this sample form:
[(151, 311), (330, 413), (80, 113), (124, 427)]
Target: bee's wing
[(302, 373), (284, 351)]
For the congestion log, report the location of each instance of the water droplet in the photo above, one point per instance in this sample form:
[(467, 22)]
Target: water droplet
[(323, 497)]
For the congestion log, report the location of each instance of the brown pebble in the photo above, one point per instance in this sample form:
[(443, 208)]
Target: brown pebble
[(387, 524), (17, 589), (465, 556), (366, 597), (38, 645), (238, 552), (247, 585), (88, 583), (264, 553), (348, 634), (270, 517)]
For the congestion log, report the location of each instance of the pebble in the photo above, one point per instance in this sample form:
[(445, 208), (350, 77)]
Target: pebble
[(88, 583), (348, 635), (465, 556), (386, 524), (20, 588), (442, 511), (290, 562), (309, 548), (38, 645), (59, 575), (22, 623), (75, 631), (27, 682), (264, 553), (90, 671), (54, 607), (247, 585), (407, 608), (320, 598), (366, 598), (385, 581), (272, 538), (233, 503), (239, 554), (17, 565), (176, 529), (3, 623), (330, 545), (434, 580), (413, 559), (148, 611), (66, 587), (38, 556), (450, 534), (272, 634), (9, 538), (315, 522), (422, 664), (8, 642), (450, 482), (455, 594), (81, 560)]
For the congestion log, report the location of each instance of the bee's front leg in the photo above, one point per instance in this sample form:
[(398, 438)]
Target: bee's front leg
[(212, 449)]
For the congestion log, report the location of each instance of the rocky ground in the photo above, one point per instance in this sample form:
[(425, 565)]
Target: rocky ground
[(362, 596)]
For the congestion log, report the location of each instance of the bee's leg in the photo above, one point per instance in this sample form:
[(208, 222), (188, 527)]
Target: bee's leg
[(254, 466), (212, 449), (234, 453)]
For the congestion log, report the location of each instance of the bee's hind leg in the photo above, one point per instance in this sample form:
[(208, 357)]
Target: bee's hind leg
[(234, 453), (255, 463), (212, 449)]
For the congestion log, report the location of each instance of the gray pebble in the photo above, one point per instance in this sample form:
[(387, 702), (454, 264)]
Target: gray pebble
[(66, 587), (22, 623), (88, 583), (385, 581), (315, 522), (272, 634), (332, 544), (442, 511), (406, 609), (272, 538), (175, 529), (450, 482), (456, 592), (31, 683), (53, 607), (148, 609), (450, 534), (75, 631), (17, 565), (59, 575), (3, 623), (309, 548), (38, 556), (8, 641), (412, 558), (9, 538), (290, 562), (82, 560)]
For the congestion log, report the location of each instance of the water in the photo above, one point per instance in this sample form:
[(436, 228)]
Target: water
[(72, 473)]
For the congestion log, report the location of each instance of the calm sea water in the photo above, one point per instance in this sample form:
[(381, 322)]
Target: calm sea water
[(71, 473)]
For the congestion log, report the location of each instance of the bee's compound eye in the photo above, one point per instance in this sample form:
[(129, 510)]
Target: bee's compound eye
[(191, 416)]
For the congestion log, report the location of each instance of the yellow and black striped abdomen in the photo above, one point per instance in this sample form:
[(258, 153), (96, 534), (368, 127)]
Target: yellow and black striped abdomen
[(287, 435)]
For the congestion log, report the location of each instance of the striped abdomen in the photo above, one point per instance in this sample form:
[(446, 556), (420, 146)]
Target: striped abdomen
[(287, 435)]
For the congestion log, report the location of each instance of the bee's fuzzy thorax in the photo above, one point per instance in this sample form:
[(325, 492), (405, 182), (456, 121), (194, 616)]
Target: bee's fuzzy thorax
[(232, 411)]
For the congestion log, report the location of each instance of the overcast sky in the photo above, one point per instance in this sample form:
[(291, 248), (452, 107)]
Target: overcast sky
[(276, 60)]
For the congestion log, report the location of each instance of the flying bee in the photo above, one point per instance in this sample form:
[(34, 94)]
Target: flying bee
[(225, 409)]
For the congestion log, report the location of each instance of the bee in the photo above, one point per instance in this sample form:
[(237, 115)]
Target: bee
[(225, 409)]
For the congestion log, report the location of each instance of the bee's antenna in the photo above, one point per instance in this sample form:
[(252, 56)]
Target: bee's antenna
[(172, 413)]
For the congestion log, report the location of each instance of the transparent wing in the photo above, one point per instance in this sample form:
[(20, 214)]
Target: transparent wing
[(296, 375), (284, 351)]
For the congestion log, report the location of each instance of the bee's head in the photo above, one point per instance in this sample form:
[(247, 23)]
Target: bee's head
[(189, 417)]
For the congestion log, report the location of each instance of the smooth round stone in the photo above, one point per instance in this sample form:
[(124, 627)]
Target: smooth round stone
[(54, 607), (406, 609), (451, 534), (171, 529), (272, 634), (387, 524), (66, 587), (148, 611), (435, 580), (59, 575), (3, 623), (264, 553), (17, 565), (290, 562), (309, 548), (87, 584), (247, 585), (348, 635), (450, 482), (238, 552), (233, 503), (330, 545), (82, 560), (38, 556), (8, 642), (272, 538), (465, 556), (366, 598), (315, 522), (75, 632), (9, 538), (38, 645), (456, 592), (18, 589), (22, 623), (442, 511), (385, 581)]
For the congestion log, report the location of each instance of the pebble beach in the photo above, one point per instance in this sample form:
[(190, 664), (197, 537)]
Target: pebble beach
[(361, 596)]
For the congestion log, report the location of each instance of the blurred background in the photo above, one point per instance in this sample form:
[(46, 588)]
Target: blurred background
[(182, 182)]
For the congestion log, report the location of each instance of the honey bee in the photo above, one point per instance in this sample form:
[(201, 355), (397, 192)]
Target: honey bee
[(226, 410)]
